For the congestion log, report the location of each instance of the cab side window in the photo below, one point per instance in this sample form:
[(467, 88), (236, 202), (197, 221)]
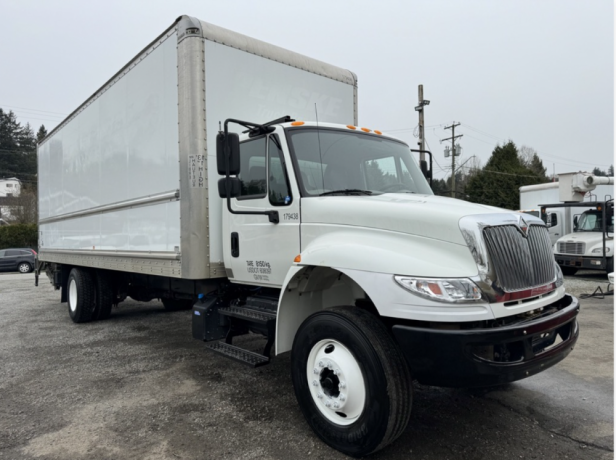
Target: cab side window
[(279, 193), (253, 177)]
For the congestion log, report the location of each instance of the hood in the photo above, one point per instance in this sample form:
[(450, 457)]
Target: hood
[(429, 216)]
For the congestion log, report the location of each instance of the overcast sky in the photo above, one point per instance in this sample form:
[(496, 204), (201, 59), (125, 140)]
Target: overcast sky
[(540, 73)]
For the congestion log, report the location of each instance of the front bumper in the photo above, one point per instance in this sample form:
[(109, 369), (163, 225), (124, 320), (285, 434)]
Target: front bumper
[(586, 262), (490, 356)]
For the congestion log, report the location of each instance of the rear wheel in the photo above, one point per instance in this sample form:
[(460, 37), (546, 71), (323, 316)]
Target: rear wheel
[(81, 295), (177, 304), (104, 295), (351, 381), (24, 267), (569, 271)]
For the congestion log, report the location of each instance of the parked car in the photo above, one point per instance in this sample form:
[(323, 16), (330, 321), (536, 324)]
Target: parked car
[(19, 259)]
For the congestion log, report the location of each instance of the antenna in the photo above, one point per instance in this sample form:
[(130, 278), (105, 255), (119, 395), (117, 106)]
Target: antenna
[(316, 114)]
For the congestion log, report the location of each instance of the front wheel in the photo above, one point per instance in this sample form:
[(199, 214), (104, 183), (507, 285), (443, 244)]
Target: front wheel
[(24, 267), (351, 381)]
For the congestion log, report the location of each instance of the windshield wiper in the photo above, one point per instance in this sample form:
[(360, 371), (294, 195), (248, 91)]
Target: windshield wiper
[(348, 191)]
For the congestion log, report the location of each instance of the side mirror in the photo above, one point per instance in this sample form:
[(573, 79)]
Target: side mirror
[(229, 187), (232, 142)]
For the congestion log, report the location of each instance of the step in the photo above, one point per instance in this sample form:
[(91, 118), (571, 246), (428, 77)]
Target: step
[(247, 314), (238, 354)]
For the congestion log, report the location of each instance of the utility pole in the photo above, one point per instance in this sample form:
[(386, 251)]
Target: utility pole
[(420, 109), (453, 155)]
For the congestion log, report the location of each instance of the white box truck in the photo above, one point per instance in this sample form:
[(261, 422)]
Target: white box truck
[(560, 221), (584, 218), (319, 234)]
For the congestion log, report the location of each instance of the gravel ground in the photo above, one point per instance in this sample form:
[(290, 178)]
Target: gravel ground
[(139, 386)]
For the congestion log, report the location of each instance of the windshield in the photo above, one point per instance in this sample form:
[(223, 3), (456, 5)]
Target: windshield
[(331, 160), (592, 221)]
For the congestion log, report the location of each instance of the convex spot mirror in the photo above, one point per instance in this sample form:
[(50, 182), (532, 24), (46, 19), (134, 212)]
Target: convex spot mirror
[(229, 187), (232, 142)]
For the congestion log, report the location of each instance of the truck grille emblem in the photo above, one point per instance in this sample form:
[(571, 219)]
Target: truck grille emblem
[(523, 226)]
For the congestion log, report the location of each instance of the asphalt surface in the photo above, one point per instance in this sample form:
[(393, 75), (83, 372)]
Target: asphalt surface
[(138, 386)]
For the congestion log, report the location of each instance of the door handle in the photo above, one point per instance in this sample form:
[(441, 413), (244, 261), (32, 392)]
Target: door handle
[(235, 244)]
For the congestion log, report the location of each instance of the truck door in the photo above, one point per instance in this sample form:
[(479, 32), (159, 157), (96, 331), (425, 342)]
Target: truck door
[(256, 250), (556, 226)]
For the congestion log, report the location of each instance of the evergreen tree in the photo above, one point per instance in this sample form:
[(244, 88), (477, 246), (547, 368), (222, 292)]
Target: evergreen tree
[(40, 135), (610, 171), (17, 150), (598, 172), (499, 182)]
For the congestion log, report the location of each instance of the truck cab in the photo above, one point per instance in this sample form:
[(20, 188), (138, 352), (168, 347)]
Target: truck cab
[(591, 244)]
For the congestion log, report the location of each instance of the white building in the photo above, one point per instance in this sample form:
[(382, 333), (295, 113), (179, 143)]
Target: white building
[(10, 187)]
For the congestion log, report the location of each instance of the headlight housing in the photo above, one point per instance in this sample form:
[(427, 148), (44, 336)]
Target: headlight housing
[(456, 290), (600, 250), (559, 275)]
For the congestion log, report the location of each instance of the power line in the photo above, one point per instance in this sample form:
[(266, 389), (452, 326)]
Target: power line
[(34, 110)]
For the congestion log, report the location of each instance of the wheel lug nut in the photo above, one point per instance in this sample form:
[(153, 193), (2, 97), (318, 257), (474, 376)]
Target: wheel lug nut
[(320, 395), (336, 371), (315, 383), (342, 385), (321, 364), (328, 404), (336, 406), (316, 371), (330, 366), (342, 398)]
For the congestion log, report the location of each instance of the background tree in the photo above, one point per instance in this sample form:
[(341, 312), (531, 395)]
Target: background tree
[(598, 172), (610, 171), (499, 182), (40, 135), (17, 150)]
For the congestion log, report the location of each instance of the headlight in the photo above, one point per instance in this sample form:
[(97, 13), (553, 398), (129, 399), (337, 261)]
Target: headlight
[(458, 290), (600, 250), (559, 275)]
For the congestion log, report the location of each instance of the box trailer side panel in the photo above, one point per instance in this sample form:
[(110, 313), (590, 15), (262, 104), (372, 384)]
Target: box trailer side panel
[(109, 174)]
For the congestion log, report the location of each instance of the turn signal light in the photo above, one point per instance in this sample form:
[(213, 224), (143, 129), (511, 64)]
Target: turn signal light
[(366, 130), (377, 132), (298, 259), (351, 127), (297, 123)]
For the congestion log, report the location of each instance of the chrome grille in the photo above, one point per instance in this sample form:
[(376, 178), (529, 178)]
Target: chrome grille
[(571, 248), (520, 263)]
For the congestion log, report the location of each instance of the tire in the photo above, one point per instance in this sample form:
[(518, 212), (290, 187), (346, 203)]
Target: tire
[(81, 296), (344, 358), (24, 267), (610, 264), (104, 295), (177, 304), (569, 271)]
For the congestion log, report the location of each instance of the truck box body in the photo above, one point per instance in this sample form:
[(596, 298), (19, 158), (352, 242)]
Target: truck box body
[(124, 179)]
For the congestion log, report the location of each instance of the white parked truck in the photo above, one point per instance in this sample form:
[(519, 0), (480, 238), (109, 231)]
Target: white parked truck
[(319, 234), (560, 221), (588, 239)]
